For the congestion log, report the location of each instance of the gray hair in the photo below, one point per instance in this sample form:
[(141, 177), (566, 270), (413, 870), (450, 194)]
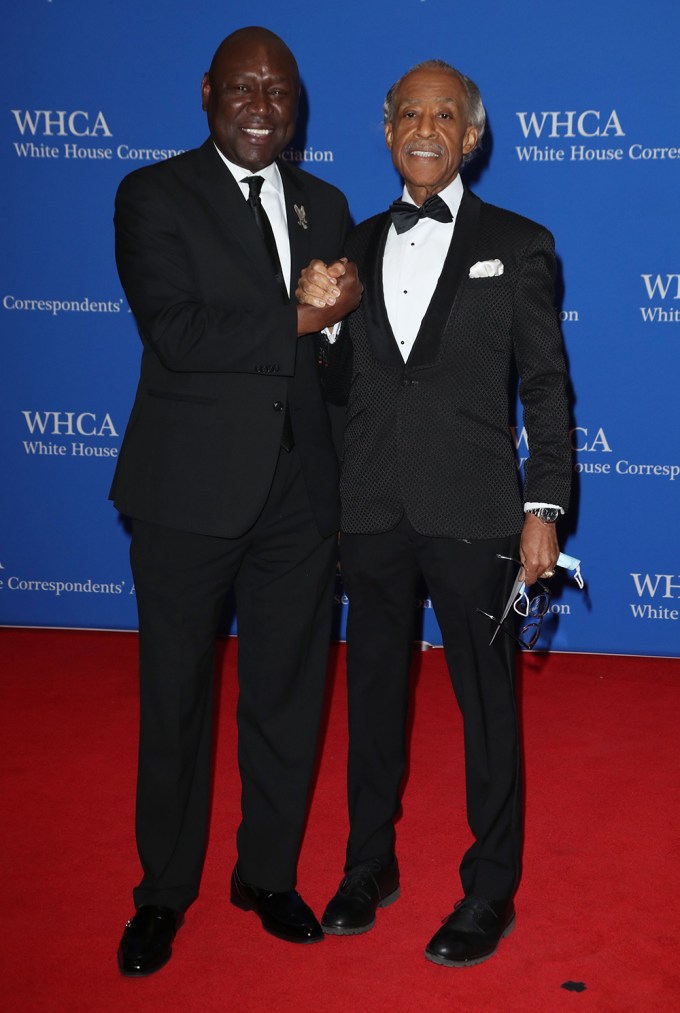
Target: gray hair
[(475, 107)]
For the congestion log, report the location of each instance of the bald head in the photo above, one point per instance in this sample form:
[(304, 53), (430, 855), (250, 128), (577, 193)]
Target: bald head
[(253, 35), (251, 97)]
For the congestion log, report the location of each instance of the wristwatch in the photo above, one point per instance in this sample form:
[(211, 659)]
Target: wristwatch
[(546, 514)]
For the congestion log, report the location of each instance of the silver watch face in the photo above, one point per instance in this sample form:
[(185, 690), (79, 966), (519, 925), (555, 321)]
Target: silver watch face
[(547, 514)]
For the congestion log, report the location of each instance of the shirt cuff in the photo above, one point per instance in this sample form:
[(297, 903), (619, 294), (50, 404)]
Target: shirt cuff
[(536, 506)]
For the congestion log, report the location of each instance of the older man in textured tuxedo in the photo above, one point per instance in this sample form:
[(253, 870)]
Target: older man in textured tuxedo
[(457, 293), (229, 475)]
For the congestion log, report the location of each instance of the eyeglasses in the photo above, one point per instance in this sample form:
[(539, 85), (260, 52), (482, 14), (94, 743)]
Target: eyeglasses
[(532, 608)]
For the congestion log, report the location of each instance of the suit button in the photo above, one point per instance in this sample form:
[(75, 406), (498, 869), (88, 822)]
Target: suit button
[(278, 406)]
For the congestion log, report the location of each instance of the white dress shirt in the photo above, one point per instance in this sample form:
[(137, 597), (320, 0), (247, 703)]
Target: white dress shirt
[(412, 264), (274, 204)]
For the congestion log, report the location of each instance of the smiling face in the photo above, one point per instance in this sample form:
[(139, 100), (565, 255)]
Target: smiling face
[(251, 95), (429, 132)]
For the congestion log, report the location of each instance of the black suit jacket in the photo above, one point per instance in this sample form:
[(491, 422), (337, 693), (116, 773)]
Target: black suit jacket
[(221, 356), (432, 436)]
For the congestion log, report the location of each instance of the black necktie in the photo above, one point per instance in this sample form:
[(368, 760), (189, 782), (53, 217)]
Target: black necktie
[(264, 225), (405, 215)]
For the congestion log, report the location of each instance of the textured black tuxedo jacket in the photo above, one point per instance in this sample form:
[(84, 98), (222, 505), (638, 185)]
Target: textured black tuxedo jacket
[(221, 356), (432, 436)]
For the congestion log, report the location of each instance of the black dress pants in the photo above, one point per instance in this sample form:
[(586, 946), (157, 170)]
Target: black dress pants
[(282, 573), (381, 573)]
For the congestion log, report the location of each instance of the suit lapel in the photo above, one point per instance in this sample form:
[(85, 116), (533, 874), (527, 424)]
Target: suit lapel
[(426, 348), (380, 335), (299, 236)]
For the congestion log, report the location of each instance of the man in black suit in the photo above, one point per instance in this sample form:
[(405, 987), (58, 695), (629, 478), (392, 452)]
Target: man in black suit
[(457, 294), (228, 473)]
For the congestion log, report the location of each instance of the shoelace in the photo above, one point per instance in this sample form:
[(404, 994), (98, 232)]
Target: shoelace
[(476, 905), (358, 877)]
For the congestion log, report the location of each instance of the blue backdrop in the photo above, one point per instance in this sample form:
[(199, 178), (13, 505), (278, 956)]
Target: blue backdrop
[(582, 138)]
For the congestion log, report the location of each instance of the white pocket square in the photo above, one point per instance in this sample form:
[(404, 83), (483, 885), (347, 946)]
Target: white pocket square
[(486, 269)]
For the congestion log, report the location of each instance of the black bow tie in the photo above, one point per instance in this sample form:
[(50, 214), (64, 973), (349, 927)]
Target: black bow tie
[(405, 215)]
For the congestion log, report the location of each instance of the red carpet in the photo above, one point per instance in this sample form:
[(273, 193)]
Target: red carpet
[(598, 902)]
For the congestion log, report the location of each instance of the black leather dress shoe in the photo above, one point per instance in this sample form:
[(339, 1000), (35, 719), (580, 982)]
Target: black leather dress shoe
[(147, 940), (284, 915), (472, 932), (364, 889)]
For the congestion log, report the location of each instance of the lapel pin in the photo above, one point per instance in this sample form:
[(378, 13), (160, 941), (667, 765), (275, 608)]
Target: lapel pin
[(301, 215)]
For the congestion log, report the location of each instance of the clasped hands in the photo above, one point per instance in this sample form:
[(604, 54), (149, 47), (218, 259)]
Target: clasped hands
[(327, 293)]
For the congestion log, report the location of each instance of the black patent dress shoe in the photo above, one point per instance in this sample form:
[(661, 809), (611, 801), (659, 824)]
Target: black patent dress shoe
[(472, 932), (146, 945), (284, 915), (364, 889)]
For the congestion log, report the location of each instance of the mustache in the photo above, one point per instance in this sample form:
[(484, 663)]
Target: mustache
[(429, 146)]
